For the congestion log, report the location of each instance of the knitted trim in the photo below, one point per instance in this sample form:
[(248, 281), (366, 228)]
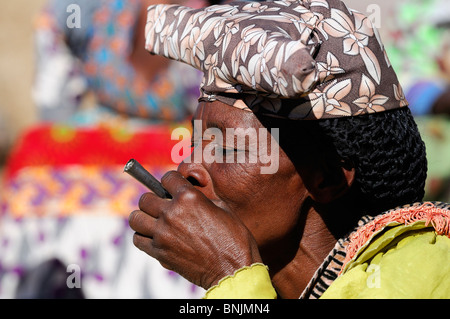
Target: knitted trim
[(439, 218)]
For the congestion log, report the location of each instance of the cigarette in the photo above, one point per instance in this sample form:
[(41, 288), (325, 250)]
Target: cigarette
[(136, 170)]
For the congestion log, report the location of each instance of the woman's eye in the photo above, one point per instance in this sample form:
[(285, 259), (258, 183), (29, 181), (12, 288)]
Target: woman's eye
[(221, 148), (227, 150), (195, 143)]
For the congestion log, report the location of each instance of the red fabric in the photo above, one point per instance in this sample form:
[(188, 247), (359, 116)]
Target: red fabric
[(56, 145)]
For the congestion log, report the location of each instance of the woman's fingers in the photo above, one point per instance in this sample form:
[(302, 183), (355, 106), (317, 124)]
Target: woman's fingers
[(175, 183), (189, 234), (142, 223), (152, 204), (144, 243)]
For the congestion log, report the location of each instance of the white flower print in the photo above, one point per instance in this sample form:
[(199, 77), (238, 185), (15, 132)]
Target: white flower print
[(356, 38), (317, 3), (297, 21), (210, 65), (329, 101), (192, 48), (253, 48), (369, 101), (229, 29), (155, 22), (250, 36), (225, 9), (256, 7), (329, 69), (257, 66), (399, 95)]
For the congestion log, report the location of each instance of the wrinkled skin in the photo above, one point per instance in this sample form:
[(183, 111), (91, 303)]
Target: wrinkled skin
[(224, 216)]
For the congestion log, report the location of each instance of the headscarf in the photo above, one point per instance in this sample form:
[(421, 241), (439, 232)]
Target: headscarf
[(303, 59)]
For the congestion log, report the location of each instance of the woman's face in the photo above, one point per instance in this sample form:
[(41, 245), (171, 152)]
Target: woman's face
[(268, 204)]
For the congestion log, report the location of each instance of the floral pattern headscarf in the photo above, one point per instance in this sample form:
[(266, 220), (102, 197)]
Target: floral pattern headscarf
[(303, 59)]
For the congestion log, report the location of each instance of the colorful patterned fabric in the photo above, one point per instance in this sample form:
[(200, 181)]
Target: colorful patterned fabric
[(55, 170), (102, 146), (102, 47), (65, 196), (109, 73), (307, 59), (100, 246)]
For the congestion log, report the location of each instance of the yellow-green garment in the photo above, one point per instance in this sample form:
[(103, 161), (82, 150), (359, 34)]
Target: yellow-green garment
[(247, 283), (401, 261)]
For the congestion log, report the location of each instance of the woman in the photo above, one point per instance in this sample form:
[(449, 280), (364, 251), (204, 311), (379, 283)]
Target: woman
[(349, 150)]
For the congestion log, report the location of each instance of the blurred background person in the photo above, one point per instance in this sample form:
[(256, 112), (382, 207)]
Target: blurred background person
[(101, 99), (419, 41), (96, 46), (419, 49)]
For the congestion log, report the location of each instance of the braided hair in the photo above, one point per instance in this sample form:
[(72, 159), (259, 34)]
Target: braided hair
[(388, 155), (385, 149)]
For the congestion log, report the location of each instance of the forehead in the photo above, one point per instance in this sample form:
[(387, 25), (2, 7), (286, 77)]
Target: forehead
[(221, 115)]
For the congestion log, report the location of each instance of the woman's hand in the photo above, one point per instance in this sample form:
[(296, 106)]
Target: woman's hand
[(190, 235)]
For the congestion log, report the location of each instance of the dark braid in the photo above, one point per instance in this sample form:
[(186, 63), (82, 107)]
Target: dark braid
[(385, 149), (388, 155)]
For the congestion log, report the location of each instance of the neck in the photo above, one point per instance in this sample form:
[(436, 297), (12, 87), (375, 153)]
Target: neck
[(292, 267)]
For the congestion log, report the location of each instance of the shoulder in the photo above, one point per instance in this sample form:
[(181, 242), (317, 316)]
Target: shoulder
[(400, 259)]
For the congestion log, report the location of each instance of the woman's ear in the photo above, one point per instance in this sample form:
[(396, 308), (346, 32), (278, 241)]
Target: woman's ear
[(329, 183)]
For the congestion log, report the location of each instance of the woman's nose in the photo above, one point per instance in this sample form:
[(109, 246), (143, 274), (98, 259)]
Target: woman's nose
[(198, 176)]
